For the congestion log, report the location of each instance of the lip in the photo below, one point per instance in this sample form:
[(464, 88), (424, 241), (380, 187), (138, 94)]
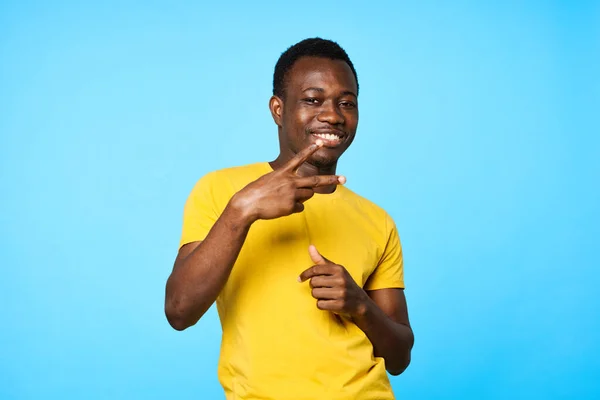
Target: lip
[(327, 142)]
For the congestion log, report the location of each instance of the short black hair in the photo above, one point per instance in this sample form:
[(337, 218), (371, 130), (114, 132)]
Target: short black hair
[(313, 47)]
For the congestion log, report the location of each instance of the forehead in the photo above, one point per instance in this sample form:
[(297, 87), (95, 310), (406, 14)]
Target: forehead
[(334, 75)]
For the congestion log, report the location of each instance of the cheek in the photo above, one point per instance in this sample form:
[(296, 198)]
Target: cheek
[(351, 120), (349, 142), (296, 118), (303, 118)]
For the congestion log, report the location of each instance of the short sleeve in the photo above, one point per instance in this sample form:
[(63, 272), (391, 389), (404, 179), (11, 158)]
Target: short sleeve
[(200, 211), (389, 272)]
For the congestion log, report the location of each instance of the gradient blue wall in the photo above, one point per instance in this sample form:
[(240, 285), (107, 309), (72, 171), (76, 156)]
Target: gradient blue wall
[(479, 133)]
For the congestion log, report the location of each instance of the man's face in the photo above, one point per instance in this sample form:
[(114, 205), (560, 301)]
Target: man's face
[(320, 103)]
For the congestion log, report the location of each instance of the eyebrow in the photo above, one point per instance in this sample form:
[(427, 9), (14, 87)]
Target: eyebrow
[(321, 90)]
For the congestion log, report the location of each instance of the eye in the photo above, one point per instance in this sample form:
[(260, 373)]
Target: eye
[(311, 100), (348, 104)]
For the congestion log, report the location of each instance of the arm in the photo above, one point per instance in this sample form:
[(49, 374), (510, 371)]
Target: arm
[(384, 319), (201, 268), (381, 314)]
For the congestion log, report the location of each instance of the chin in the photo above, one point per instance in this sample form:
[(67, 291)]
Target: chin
[(321, 161)]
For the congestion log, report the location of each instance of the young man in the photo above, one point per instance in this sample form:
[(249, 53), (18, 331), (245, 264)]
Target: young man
[(307, 275)]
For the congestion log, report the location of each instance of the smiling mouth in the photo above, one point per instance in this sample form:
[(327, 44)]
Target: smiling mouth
[(329, 139)]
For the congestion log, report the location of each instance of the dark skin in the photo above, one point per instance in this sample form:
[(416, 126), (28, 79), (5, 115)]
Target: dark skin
[(317, 121)]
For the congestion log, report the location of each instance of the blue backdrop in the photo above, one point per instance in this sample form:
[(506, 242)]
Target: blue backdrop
[(479, 133)]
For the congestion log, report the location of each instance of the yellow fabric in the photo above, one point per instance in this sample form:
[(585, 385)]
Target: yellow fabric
[(276, 343)]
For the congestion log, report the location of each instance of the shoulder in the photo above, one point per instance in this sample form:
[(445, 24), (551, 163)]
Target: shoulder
[(359, 202), (253, 169), (371, 214), (221, 184), (234, 176)]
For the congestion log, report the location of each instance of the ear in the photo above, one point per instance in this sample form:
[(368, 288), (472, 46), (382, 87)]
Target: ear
[(276, 107)]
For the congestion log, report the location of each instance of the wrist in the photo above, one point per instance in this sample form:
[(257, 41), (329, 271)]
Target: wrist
[(363, 308), (241, 211)]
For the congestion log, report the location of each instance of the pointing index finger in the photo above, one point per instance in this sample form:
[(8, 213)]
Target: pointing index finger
[(303, 155), (315, 181), (313, 271)]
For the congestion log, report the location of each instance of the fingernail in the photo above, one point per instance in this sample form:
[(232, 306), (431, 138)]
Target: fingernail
[(319, 142), (342, 179), (299, 279)]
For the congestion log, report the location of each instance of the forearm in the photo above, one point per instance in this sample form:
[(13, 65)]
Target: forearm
[(391, 340), (197, 279)]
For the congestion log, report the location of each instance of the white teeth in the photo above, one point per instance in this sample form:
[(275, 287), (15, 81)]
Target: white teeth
[(327, 136)]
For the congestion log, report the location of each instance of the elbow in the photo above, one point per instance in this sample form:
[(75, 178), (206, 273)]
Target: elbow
[(396, 371), (402, 361), (177, 324), (177, 317), (397, 368)]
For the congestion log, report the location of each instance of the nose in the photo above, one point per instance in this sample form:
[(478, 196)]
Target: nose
[(330, 114)]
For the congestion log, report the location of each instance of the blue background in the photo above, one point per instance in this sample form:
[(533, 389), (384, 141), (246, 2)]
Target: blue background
[(479, 133)]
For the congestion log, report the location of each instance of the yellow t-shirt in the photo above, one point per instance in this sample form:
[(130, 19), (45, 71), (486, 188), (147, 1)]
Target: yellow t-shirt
[(276, 343)]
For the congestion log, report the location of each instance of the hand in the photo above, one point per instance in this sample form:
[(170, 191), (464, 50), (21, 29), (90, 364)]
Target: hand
[(282, 192), (333, 287)]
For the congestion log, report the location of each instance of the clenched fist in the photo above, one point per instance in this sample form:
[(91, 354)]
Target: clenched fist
[(333, 287)]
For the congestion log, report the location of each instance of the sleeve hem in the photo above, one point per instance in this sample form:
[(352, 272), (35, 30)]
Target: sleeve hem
[(183, 242), (398, 285)]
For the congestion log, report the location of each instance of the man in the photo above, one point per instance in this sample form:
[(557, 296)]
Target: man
[(307, 275)]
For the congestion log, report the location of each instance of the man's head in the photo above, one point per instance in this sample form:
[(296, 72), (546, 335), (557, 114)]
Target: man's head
[(315, 47), (315, 91)]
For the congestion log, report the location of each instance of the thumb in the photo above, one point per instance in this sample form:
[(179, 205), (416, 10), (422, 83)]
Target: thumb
[(315, 255)]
